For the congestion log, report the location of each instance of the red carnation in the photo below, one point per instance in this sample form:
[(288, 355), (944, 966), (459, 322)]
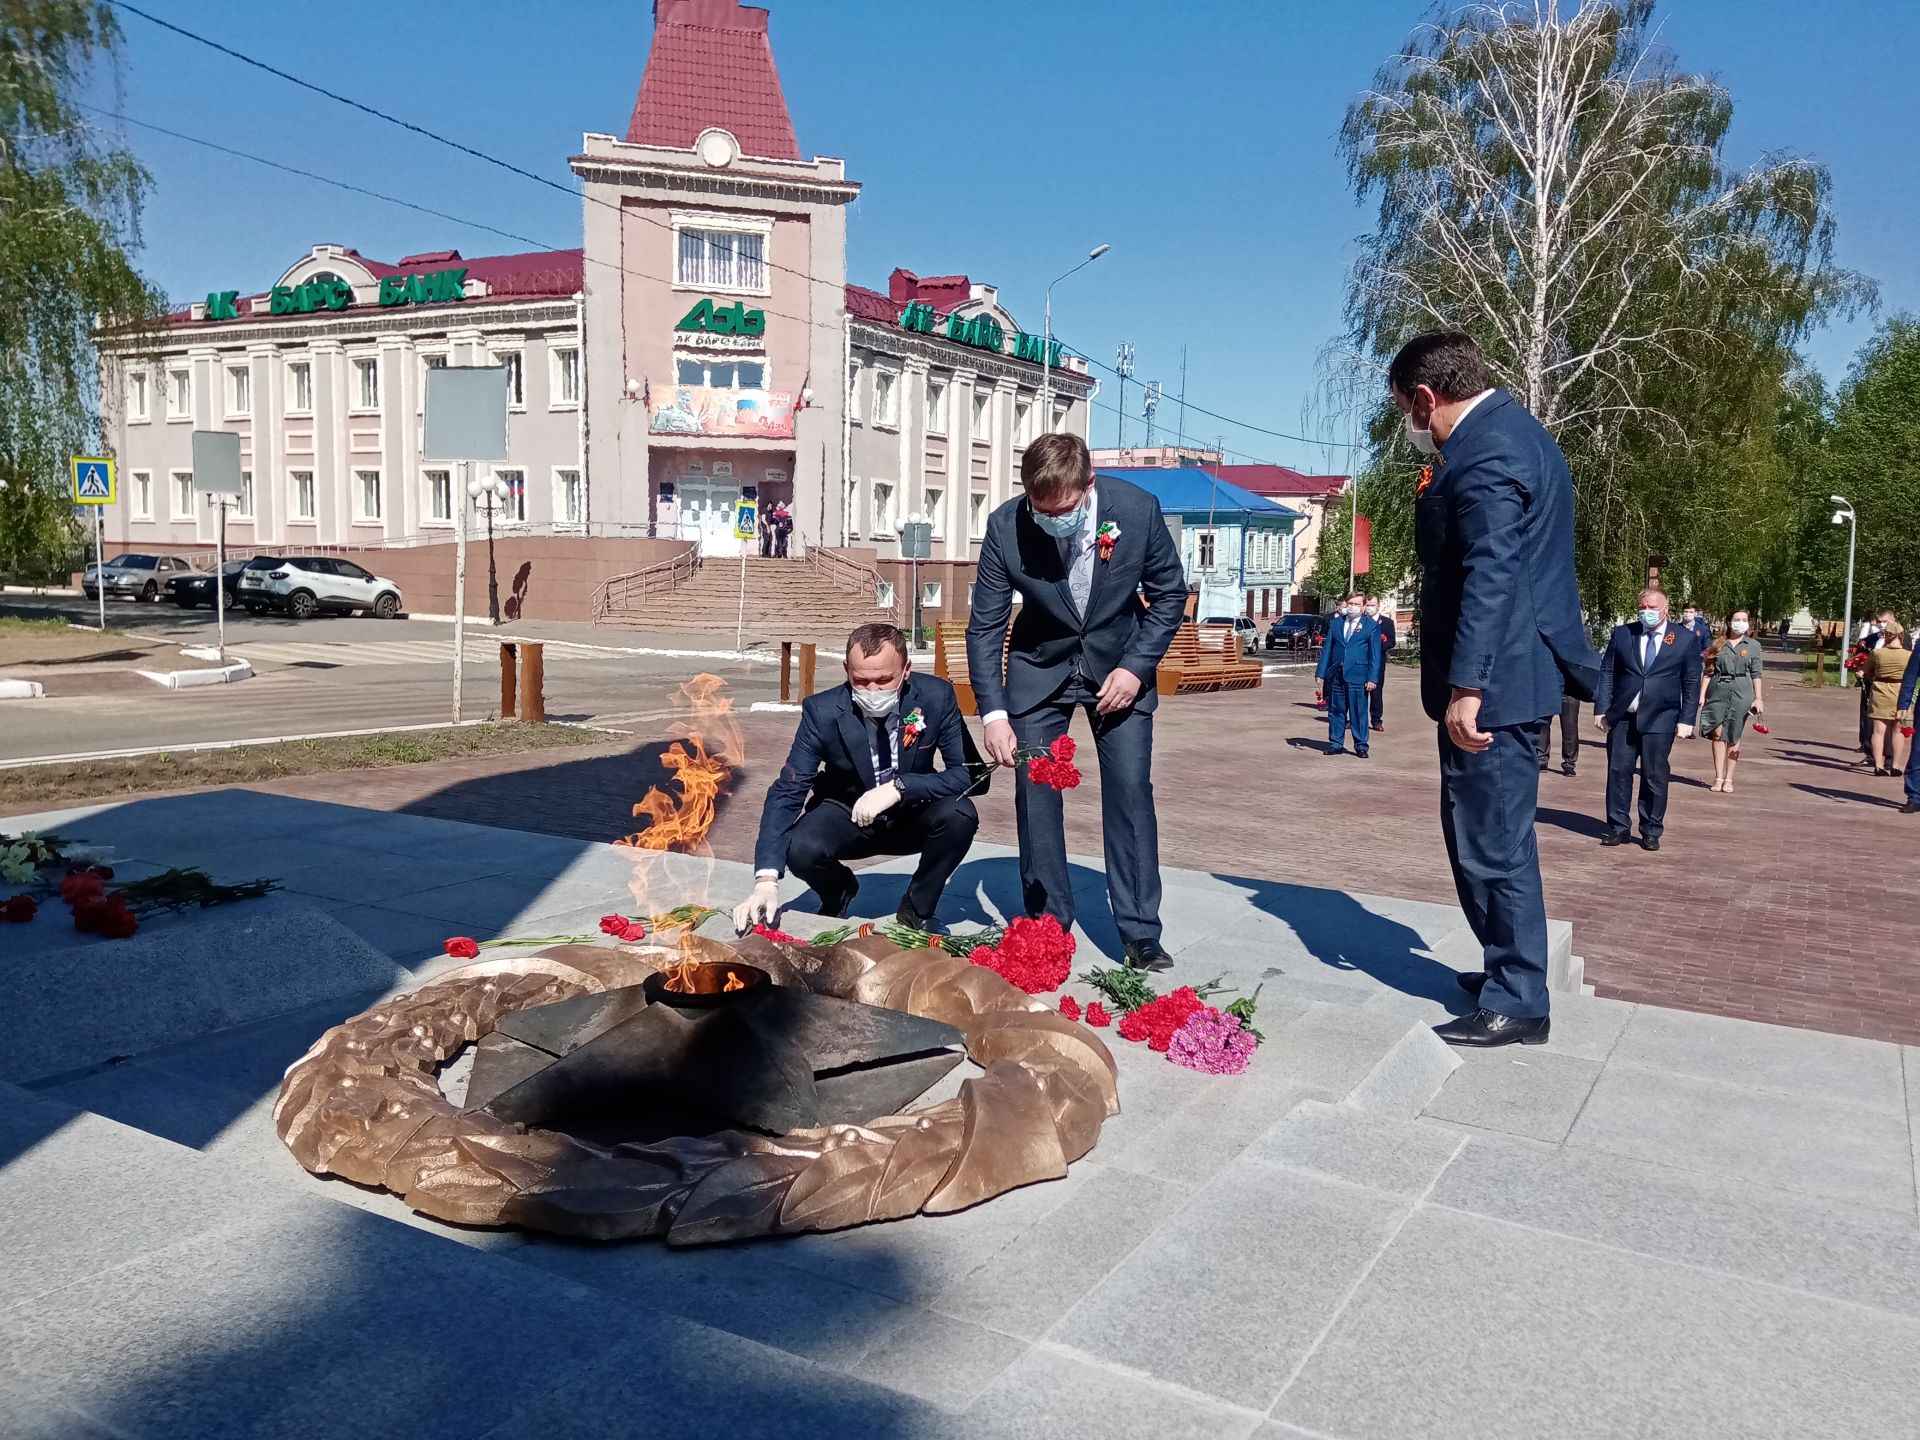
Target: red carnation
[(19, 909), (1062, 749), (1040, 771), (1760, 729), (1906, 730), (460, 947), (1035, 955), (1097, 1016), (81, 885), (615, 925), (1156, 1021), (767, 932), (1069, 1007)]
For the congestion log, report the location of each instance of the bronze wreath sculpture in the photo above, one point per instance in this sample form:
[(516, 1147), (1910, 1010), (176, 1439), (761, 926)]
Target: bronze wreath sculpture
[(365, 1104)]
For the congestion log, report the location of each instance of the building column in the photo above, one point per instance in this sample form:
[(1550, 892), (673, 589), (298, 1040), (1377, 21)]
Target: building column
[(268, 504)]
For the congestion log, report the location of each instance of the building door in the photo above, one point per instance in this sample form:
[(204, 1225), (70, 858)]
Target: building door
[(706, 515)]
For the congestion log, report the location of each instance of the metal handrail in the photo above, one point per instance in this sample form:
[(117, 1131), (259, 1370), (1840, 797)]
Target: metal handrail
[(845, 573), (619, 591)]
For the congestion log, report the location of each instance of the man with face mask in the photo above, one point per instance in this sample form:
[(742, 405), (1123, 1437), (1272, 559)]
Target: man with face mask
[(1501, 640), (1377, 699), (1649, 692), (860, 781), (1692, 620), (1102, 594)]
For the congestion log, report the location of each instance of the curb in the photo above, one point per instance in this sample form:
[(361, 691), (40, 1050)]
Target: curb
[(21, 690), (187, 679)]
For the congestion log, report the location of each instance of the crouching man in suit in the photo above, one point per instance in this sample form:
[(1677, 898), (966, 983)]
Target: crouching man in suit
[(860, 781)]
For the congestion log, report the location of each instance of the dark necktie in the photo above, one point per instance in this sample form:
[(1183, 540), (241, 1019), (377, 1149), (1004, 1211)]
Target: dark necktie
[(883, 768)]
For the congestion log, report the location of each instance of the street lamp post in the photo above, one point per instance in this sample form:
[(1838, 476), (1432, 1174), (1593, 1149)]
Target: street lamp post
[(1845, 516), (1046, 340), (494, 489)]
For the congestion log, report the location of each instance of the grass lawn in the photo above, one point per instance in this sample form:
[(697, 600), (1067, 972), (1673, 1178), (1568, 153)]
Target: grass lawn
[(37, 787), (40, 641)]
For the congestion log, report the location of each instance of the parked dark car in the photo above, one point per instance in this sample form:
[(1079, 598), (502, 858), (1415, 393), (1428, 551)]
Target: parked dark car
[(187, 591), (1297, 632)]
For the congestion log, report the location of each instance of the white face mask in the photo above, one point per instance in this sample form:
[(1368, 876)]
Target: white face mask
[(1736, 627), (877, 704), (1649, 618), (1422, 440)]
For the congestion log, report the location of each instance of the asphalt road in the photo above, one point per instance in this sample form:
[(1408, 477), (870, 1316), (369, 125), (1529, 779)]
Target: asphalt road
[(334, 673)]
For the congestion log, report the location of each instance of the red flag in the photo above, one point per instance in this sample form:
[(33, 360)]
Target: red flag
[(1362, 545)]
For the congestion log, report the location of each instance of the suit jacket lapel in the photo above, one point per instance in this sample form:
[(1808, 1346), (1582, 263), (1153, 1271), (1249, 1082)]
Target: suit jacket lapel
[(858, 739), (1102, 513), (1040, 552)]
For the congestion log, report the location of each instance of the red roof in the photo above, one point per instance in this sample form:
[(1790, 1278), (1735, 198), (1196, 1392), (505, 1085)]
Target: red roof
[(865, 304), (712, 66), (1279, 480), (946, 293)]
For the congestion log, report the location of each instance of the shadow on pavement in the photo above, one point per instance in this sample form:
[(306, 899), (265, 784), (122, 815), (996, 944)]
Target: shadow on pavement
[(1576, 821)]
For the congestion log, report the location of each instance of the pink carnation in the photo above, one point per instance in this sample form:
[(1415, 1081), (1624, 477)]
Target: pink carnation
[(1212, 1043)]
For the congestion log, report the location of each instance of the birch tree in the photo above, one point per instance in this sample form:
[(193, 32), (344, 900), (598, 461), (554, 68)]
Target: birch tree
[(69, 211), (1550, 181)]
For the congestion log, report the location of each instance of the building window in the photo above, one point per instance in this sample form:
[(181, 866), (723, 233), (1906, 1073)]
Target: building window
[(977, 515), (239, 390), (981, 400), (302, 487), (936, 503), (883, 595), (886, 398), (936, 407), (137, 398), (1023, 422), (1204, 539), (1059, 419), (853, 392), (143, 494), (722, 260), (366, 495), (243, 504), (882, 508), (183, 494), (564, 382), (429, 362), (732, 373), (930, 595), (509, 360), (569, 498), (366, 384), (179, 395), (440, 495), (512, 507), (299, 388)]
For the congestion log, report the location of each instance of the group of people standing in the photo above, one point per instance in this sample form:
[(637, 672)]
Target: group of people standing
[(1352, 673), (1888, 680), (776, 524)]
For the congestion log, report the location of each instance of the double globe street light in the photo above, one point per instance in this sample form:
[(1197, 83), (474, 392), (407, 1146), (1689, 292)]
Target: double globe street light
[(493, 489)]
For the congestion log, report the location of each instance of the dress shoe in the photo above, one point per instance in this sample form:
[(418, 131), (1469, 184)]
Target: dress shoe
[(1362, 754), (1486, 1028), (835, 906), (905, 916), (1331, 751), (1473, 983), (1649, 844), (1543, 767), (1566, 769), (1145, 955), (1615, 837), (1379, 727), (1912, 807)]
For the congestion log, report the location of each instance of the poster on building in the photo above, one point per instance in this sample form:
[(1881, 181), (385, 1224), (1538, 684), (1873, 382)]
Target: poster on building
[(704, 410)]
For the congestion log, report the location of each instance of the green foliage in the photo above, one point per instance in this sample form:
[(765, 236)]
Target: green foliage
[(1550, 181), (69, 214)]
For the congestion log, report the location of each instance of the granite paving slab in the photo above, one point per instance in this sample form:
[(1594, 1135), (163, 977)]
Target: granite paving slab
[(1840, 1068), (1361, 1147), (1518, 1090), (1594, 1341), (1046, 1394), (943, 1361), (1230, 1292), (1791, 1141)]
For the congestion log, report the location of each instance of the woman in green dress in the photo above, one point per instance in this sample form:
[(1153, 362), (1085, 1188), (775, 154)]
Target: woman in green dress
[(1729, 692)]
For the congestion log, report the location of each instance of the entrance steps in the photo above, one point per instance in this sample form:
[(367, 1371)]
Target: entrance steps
[(766, 600)]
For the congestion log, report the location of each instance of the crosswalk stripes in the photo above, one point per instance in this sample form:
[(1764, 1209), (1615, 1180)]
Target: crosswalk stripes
[(392, 652)]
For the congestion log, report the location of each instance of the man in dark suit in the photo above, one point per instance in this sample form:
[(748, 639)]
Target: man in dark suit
[(1349, 674), (1909, 683), (1692, 620), (1501, 640), (1649, 692), (1569, 737), (860, 781), (1389, 637), (1081, 556)]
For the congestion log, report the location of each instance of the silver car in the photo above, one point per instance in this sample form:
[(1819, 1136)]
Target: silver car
[(134, 577)]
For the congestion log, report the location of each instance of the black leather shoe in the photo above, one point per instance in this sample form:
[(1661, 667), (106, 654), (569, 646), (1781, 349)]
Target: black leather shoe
[(1362, 754), (905, 916), (836, 905), (1486, 1028), (1649, 845), (1145, 955), (1474, 983), (1912, 807), (1566, 770), (1331, 751), (1615, 837)]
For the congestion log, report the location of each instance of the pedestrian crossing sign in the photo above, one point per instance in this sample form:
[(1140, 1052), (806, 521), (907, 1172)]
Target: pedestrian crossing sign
[(92, 480), (746, 519)]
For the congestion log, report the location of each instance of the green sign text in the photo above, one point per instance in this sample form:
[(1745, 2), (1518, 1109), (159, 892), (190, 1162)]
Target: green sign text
[(423, 289), (708, 318), (220, 305), (982, 332)]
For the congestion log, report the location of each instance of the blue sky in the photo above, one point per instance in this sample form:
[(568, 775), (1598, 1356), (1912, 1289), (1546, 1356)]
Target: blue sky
[(999, 138)]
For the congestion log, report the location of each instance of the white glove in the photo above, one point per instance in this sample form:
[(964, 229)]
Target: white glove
[(1686, 732), (875, 803), (762, 907)]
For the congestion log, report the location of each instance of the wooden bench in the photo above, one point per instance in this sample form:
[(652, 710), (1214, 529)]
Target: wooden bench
[(950, 662), (1205, 659)]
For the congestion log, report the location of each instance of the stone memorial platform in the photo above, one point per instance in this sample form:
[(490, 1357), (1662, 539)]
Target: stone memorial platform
[(1660, 1223)]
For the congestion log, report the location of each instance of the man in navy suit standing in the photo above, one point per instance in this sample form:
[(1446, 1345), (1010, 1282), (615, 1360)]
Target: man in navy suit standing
[(860, 781), (1349, 673), (1501, 639), (1102, 594), (1909, 683), (1649, 692), (1389, 637)]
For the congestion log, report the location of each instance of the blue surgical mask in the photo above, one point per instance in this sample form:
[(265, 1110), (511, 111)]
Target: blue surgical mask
[(1649, 618), (1061, 527)]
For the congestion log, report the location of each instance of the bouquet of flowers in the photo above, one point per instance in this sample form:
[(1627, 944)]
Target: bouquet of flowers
[(1051, 765), (1036, 955), (1859, 657), (1182, 1026)]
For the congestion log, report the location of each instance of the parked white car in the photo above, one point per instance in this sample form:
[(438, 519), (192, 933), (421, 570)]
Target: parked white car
[(304, 585)]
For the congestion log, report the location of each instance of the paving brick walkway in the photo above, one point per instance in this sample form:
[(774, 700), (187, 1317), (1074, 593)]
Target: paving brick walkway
[(1790, 901)]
